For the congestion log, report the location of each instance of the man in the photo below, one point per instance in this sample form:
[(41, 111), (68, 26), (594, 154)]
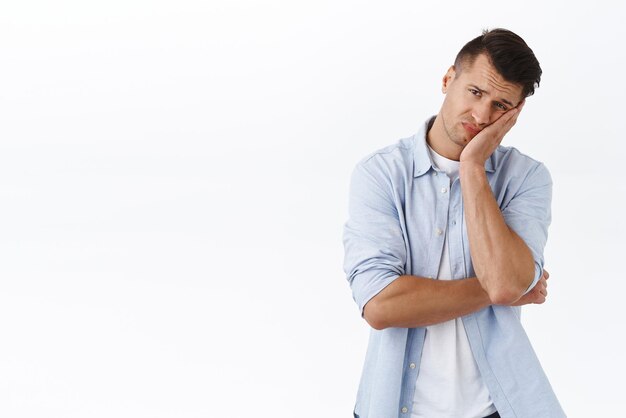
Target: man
[(444, 244)]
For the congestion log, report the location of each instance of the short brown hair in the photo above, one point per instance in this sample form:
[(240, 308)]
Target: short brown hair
[(508, 53)]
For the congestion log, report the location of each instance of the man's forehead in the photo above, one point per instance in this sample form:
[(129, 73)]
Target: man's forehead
[(483, 75)]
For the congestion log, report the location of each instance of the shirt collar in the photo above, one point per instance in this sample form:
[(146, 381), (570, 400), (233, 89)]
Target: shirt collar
[(422, 161)]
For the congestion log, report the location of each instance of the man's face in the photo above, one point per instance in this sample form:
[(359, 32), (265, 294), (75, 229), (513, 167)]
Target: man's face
[(476, 97)]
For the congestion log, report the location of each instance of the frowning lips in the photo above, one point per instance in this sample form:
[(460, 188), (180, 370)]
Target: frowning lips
[(472, 129)]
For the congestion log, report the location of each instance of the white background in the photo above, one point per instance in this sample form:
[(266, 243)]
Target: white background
[(173, 186)]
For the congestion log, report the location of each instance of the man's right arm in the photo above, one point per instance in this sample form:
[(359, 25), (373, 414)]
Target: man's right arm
[(411, 301)]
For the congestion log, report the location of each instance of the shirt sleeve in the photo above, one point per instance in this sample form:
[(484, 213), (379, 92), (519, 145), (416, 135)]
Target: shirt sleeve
[(528, 213), (375, 250)]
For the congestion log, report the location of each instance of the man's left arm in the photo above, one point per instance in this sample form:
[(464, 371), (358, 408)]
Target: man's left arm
[(506, 245)]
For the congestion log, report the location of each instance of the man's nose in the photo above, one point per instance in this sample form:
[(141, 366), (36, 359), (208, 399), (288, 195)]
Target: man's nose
[(482, 113)]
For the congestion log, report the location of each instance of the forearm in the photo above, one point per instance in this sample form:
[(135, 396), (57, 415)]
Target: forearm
[(411, 301), (502, 261)]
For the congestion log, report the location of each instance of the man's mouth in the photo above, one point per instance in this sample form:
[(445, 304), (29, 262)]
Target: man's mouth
[(473, 130)]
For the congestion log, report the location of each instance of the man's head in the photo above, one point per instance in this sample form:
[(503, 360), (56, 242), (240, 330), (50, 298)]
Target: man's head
[(492, 74), (509, 55)]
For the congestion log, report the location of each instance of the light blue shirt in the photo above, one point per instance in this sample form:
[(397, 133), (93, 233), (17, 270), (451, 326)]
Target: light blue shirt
[(400, 210)]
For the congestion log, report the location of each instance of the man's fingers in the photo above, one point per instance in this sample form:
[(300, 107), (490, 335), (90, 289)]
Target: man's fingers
[(513, 118), (507, 121), (546, 274)]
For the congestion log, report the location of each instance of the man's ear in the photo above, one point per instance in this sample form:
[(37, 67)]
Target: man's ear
[(447, 79)]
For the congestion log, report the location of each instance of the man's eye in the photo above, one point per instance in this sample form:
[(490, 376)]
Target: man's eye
[(474, 92), (501, 106)]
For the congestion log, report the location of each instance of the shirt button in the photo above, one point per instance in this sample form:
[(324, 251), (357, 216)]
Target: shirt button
[(405, 409), (412, 365), (453, 222), (438, 231), (444, 189)]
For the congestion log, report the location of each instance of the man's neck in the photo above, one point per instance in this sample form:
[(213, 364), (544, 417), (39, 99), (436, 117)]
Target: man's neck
[(440, 142)]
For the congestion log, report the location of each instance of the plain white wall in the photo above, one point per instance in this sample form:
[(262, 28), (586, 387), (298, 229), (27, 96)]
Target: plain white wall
[(173, 186)]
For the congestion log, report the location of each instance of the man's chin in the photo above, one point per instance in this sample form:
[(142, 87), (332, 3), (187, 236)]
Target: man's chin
[(469, 135), (465, 138)]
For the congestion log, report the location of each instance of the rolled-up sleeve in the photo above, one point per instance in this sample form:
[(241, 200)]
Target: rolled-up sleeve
[(528, 213), (375, 250)]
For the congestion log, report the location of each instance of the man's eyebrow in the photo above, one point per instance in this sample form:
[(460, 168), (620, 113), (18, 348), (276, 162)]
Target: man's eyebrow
[(485, 91)]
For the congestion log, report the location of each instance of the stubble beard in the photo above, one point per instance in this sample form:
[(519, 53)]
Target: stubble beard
[(451, 136)]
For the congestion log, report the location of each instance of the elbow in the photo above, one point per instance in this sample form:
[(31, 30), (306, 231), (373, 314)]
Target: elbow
[(373, 315), (509, 293), (504, 296)]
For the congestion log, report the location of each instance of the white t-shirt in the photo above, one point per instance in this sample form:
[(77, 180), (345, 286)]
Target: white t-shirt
[(449, 383)]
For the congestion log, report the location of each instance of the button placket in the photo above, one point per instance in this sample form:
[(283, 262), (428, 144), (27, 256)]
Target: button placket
[(443, 184), (457, 260)]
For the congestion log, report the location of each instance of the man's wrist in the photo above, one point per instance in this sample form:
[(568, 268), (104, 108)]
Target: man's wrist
[(471, 168)]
